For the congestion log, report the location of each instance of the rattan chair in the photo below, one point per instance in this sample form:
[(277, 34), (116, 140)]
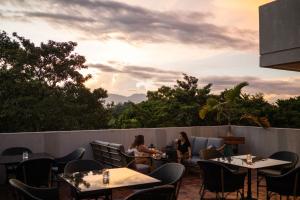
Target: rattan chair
[(26, 192), (277, 170), (284, 185), (12, 151), (220, 179), (35, 172), (165, 192), (61, 162)]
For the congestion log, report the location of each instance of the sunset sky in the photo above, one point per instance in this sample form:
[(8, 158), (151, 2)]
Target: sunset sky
[(137, 45)]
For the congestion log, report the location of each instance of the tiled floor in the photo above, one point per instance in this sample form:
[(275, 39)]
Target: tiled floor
[(189, 191)]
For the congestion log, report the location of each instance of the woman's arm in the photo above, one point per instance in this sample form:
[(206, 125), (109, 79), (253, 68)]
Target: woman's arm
[(143, 148)]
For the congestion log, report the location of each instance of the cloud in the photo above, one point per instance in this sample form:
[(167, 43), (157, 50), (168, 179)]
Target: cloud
[(141, 72), (272, 89), (110, 19), (277, 87), (104, 68)]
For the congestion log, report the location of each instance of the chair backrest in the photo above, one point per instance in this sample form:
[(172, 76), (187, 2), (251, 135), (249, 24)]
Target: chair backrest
[(109, 154), (170, 174), (27, 192), (81, 166), (75, 155), (287, 184), (286, 156), (35, 172), (165, 192), (219, 178), (15, 151)]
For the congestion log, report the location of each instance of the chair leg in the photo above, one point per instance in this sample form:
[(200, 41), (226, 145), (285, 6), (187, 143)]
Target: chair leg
[(242, 194), (201, 188), (257, 185), (268, 195)]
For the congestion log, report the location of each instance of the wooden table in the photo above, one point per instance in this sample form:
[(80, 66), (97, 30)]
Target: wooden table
[(257, 164), (16, 159), (119, 177), (234, 142)]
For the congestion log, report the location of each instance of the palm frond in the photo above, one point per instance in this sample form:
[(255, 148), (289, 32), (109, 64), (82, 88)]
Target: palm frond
[(259, 121)]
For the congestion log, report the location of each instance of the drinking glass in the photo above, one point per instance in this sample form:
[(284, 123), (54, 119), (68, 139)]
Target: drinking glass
[(25, 155), (105, 176), (249, 158)]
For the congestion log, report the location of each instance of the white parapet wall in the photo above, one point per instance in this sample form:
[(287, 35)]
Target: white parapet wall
[(264, 142), (59, 143)]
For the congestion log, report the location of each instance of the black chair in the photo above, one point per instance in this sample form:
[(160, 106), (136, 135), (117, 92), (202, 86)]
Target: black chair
[(12, 151), (277, 170), (170, 174), (36, 172), (220, 179), (15, 151), (284, 185), (84, 166), (26, 192), (60, 163), (165, 192)]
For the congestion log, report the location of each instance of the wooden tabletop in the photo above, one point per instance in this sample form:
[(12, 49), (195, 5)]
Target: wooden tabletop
[(119, 177), (256, 164), (15, 159)]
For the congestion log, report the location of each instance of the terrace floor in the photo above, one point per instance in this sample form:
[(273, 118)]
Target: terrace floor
[(189, 190)]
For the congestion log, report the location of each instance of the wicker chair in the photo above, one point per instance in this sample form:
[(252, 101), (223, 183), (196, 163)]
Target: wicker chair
[(165, 192), (27, 192), (220, 179)]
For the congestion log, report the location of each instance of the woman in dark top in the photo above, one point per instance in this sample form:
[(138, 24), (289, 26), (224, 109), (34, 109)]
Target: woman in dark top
[(184, 151)]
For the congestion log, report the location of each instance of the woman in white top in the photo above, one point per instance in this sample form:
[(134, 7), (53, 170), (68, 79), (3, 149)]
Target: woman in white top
[(141, 152)]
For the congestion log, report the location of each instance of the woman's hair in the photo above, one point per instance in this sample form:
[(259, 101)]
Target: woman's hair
[(138, 140), (184, 135)]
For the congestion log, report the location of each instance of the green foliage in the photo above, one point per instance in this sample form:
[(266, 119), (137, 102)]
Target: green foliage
[(41, 88), (286, 113), (225, 106), (166, 107)]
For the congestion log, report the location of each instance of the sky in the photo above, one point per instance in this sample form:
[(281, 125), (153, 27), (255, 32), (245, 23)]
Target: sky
[(134, 46)]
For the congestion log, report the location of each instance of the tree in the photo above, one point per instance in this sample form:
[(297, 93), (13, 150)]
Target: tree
[(286, 113), (226, 106), (168, 106), (232, 107), (41, 88)]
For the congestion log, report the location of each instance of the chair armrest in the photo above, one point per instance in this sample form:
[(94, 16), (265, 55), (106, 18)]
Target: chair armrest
[(221, 148)]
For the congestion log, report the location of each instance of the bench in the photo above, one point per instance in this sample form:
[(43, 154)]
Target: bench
[(113, 155)]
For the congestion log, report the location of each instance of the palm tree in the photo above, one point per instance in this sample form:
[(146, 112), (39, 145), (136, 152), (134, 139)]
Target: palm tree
[(227, 105)]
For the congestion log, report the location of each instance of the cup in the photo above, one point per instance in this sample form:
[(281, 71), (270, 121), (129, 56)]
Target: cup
[(105, 176), (25, 155), (249, 159)]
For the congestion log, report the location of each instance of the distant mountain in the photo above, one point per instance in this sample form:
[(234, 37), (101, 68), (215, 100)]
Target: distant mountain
[(135, 98)]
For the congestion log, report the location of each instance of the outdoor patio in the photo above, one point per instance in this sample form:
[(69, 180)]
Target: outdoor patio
[(59, 143)]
